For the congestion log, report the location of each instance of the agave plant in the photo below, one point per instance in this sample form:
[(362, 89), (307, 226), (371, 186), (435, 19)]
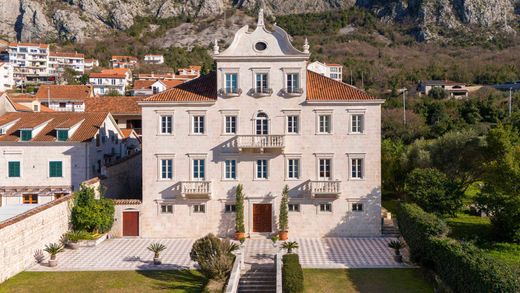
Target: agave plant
[(290, 245), (156, 248), (53, 249), (396, 245)]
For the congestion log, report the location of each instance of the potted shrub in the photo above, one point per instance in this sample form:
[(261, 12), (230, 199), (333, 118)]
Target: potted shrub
[(397, 245), (53, 249), (156, 248), (72, 239), (240, 231), (274, 238), (290, 245), (283, 221)]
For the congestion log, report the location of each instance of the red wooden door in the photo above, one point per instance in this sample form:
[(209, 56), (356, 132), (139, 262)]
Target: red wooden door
[(130, 223), (262, 217)]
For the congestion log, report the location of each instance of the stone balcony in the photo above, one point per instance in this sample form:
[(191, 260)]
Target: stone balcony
[(325, 188), (261, 92), (292, 92), (260, 142), (196, 189), (229, 92)]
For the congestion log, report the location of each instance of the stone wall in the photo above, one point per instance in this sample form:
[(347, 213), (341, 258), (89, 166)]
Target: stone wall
[(124, 179), (21, 236), (122, 205)]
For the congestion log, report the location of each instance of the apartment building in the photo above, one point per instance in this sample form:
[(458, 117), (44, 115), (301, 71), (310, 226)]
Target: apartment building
[(30, 62), (58, 61), (192, 71), (48, 155), (90, 64), (123, 61), (6, 76), (264, 121), (153, 59), (334, 71), (111, 81)]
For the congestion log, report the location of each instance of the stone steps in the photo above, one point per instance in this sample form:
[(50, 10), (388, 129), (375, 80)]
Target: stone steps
[(258, 280)]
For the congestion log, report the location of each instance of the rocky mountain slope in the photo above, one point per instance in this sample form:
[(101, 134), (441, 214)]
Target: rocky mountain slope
[(78, 20)]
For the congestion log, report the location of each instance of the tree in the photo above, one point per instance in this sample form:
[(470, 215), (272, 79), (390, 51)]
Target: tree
[(69, 75), (500, 195), (433, 191), (283, 222), (214, 256), (393, 126), (91, 214), (437, 93), (239, 210), (84, 78), (393, 167), (112, 93)]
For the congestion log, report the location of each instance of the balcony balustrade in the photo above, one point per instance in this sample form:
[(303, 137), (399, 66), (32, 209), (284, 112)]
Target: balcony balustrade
[(195, 188), (229, 92), (260, 142), (325, 187), (261, 92)]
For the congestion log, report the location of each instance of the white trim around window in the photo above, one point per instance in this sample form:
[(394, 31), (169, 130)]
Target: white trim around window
[(324, 156), (288, 123), (8, 170), (198, 127), (160, 129), (198, 156), (355, 168), (288, 168), (229, 70), (319, 122), (225, 114), (325, 207), (265, 169), (160, 158), (352, 124), (228, 169)]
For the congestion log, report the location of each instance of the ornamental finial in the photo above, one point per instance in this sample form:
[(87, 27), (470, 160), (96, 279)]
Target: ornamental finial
[(306, 46), (216, 48), (261, 17)]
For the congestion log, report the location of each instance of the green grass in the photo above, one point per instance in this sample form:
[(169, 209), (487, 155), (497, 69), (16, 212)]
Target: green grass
[(113, 281), (366, 280)]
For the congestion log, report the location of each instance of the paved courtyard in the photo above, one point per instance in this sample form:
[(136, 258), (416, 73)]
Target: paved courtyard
[(131, 254)]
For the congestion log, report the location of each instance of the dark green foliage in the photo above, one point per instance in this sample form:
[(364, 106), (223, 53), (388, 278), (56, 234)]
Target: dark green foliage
[(290, 245), (179, 57), (91, 214), (283, 222), (214, 256), (438, 93), (292, 274), (433, 191), (239, 209)]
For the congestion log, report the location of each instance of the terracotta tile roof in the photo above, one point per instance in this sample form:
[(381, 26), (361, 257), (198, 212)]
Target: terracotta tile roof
[(126, 132), (64, 92), (200, 89), (147, 84), (333, 64), (172, 83), (321, 88), (67, 54), (90, 124), (90, 60), (155, 75), (14, 44), (108, 73), (191, 67), (115, 105)]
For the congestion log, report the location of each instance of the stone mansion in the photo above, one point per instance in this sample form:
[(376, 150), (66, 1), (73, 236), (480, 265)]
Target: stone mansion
[(262, 120)]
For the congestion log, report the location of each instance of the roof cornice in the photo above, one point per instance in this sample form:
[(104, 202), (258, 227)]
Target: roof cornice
[(341, 102)]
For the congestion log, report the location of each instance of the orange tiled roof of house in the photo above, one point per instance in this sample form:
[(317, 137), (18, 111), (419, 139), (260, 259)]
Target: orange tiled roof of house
[(90, 124), (126, 132), (67, 54), (333, 64), (201, 89), (114, 105), (156, 75), (90, 60), (43, 46), (64, 92), (321, 88), (110, 73)]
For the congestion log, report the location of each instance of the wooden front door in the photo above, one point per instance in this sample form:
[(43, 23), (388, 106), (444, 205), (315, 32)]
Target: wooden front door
[(131, 223), (262, 217)]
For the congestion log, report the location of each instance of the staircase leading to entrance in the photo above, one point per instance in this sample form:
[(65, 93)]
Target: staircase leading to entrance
[(259, 274), (388, 225)]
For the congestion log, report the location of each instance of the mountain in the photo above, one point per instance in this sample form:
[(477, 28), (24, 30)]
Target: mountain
[(79, 20)]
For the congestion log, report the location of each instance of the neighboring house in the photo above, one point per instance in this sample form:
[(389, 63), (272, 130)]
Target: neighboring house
[(264, 121), (64, 98), (153, 59), (48, 155), (453, 89), (150, 87), (125, 110), (155, 76), (123, 61), (30, 62), (6, 76), (193, 71), (90, 64), (14, 102), (110, 80), (334, 71), (58, 61)]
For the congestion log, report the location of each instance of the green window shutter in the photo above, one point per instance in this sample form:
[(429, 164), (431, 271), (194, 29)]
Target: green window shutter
[(55, 169), (26, 135), (14, 169), (63, 135)]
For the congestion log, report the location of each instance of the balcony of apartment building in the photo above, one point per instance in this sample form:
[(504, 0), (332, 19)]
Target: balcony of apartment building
[(324, 188), (260, 142), (195, 189)]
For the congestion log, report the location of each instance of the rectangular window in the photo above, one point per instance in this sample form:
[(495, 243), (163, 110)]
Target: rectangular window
[(357, 168), (231, 83), (293, 82), (231, 125), (198, 124), (294, 207), (325, 168), (198, 169), (356, 125), (167, 169), (357, 207), (261, 169), (324, 124), (293, 168), (326, 207), (199, 208), (261, 82), (14, 169), (30, 199), (55, 169), (230, 208), (26, 135), (293, 124), (230, 171), (166, 209), (62, 134), (166, 124)]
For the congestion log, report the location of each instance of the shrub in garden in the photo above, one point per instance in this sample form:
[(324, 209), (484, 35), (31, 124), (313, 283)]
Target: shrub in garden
[(91, 214), (292, 274), (239, 210), (214, 256)]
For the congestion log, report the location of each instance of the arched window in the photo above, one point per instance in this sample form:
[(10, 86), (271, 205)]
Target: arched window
[(262, 123)]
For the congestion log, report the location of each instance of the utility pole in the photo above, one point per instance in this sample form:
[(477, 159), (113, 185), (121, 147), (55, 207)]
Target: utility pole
[(351, 81), (510, 102), (362, 80), (404, 106)]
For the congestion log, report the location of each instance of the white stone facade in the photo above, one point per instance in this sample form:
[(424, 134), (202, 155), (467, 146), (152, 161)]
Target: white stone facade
[(329, 213), (6, 76), (153, 59), (29, 60)]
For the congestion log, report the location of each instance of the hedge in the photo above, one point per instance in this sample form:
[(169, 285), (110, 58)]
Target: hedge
[(462, 266), (292, 274)]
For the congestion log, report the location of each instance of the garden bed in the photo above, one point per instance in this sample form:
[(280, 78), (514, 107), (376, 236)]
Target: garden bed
[(93, 242)]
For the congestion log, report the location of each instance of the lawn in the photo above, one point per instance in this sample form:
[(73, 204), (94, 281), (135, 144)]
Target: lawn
[(366, 280), (113, 281)]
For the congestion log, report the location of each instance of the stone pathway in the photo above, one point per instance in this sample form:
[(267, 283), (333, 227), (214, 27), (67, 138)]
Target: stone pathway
[(123, 254)]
